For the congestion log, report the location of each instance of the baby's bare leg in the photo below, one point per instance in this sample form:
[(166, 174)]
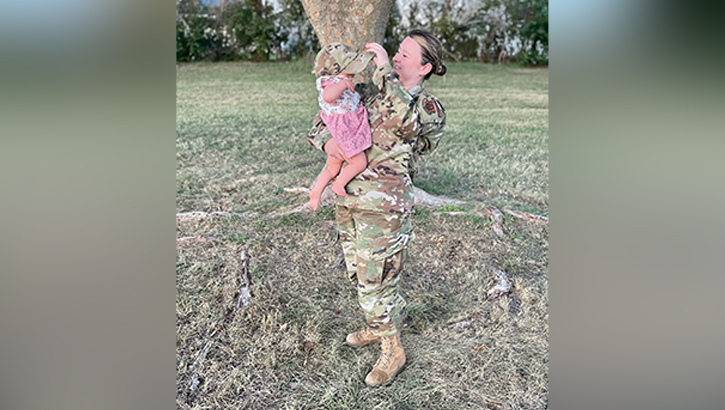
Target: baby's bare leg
[(332, 168), (356, 165)]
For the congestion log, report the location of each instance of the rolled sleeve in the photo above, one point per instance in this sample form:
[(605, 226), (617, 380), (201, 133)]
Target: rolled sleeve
[(386, 80)]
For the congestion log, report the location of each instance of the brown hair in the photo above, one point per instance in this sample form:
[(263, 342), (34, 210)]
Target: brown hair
[(431, 51)]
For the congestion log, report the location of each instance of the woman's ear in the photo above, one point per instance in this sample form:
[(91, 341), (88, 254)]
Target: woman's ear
[(425, 69)]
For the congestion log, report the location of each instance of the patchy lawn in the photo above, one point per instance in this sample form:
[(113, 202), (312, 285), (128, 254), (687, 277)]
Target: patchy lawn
[(241, 141)]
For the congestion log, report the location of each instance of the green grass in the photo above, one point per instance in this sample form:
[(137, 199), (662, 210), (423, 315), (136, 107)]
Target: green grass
[(241, 140), (241, 132)]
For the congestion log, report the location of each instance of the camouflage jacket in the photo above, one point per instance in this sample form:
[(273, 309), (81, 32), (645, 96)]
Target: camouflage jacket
[(405, 124)]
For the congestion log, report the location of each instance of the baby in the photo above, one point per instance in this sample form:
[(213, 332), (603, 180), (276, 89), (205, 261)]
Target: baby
[(343, 114)]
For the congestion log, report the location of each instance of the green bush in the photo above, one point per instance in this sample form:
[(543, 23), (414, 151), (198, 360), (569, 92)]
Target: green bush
[(535, 33), (297, 36), (252, 25), (194, 23), (487, 31), (453, 28), (531, 27), (253, 30)]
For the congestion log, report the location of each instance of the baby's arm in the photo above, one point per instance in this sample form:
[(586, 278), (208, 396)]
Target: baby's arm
[(333, 91)]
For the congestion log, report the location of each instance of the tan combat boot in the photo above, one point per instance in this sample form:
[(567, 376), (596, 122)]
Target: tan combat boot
[(361, 338), (391, 362)]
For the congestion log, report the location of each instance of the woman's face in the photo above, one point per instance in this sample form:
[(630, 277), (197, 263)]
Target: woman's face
[(406, 63)]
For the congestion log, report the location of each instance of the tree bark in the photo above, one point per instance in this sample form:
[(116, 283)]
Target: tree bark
[(351, 22)]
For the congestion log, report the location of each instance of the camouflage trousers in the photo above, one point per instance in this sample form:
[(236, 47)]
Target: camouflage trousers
[(375, 247)]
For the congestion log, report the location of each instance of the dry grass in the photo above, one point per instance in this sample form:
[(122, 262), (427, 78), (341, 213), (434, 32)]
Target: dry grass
[(240, 141)]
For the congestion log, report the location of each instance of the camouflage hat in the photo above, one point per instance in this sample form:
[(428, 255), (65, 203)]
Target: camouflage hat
[(336, 58)]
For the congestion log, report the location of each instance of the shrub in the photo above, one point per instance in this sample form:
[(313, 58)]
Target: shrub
[(194, 27)]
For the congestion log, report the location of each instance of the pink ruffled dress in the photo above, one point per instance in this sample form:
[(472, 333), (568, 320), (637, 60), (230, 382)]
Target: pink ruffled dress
[(346, 118)]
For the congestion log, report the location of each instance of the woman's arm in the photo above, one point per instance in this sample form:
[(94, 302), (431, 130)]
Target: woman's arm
[(433, 123), (431, 136), (384, 76), (386, 80)]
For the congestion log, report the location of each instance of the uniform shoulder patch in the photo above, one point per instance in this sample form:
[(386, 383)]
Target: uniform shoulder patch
[(432, 107), (429, 106)]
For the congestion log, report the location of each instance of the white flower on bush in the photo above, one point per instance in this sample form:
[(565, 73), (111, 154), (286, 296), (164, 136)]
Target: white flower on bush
[(209, 32)]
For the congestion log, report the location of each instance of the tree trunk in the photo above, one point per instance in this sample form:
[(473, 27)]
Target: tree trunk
[(351, 22)]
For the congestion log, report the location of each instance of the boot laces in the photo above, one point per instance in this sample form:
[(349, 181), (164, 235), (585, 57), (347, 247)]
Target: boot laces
[(366, 334), (387, 352)]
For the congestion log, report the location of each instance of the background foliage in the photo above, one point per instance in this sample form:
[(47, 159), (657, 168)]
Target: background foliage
[(477, 30)]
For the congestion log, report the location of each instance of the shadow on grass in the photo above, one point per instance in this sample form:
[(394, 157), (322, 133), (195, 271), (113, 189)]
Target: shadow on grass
[(426, 311)]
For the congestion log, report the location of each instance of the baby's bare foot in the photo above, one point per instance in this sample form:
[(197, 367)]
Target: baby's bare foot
[(339, 190), (314, 200)]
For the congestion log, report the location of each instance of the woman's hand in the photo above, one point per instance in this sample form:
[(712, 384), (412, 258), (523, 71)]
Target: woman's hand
[(333, 150), (381, 56)]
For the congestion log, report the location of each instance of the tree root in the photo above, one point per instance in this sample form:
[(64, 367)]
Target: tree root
[(425, 199), (422, 199), (526, 215)]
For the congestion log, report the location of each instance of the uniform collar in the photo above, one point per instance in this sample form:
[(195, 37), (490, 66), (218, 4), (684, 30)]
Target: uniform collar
[(416, 89)]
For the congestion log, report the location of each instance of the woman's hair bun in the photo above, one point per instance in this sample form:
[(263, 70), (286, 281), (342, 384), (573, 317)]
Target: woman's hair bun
[(441, 69)]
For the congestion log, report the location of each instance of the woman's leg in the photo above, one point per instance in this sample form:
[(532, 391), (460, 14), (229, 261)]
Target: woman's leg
[(375, 250), (374, 245), (381, 241), (356, 165), (332, 168), (346, 236), (381, 248)]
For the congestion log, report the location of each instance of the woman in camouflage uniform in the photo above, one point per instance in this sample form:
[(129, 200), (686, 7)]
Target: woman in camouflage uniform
[(374, 219)]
